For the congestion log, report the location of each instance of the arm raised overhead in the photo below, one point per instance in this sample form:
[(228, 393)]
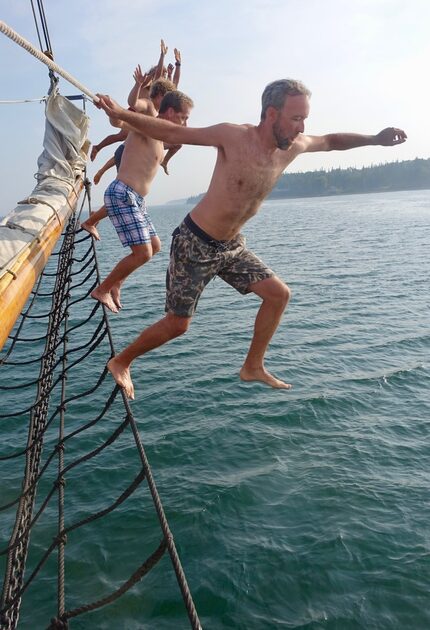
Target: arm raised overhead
[(178, 62), (142, 82)]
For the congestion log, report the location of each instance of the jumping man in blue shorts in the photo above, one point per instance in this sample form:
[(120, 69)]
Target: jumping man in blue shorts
[(125, 199)]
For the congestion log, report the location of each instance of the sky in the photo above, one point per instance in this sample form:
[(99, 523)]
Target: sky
[(366, 63)]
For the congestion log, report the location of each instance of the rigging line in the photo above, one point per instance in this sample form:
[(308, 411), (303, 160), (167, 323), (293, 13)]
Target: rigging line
[(44, 25), (127, 492), (81, 269), (101, 415), (54, 349), (29, 488), (96, 515), (180, 575), (168, 538), (17, 558), (149, 563), (42, 99), (95, 342), (61, 584), (36, 24), (177, 566), (176, 562), (9, 32)]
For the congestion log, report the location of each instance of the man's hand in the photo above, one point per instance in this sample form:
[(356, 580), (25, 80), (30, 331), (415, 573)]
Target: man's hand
[(163, 48), (170, 69), (390, 136), (177, 55), (142, 78), (112, 109)]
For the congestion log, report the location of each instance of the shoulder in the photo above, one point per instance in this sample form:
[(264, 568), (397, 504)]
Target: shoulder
[(218, 135), (304, 143), (231, 131), (145, 106)]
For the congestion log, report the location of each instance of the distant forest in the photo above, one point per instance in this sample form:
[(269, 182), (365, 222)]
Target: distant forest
[(406, 175)]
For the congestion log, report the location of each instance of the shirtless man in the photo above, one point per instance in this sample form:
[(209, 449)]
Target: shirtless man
[(125, 198), (139, 101), (149, 106), (249, 162)]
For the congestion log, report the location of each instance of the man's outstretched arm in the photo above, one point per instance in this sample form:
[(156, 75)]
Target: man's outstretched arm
[(164, 130), (388, 137)]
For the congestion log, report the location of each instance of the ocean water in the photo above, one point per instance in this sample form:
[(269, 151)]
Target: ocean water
[(306, 508)]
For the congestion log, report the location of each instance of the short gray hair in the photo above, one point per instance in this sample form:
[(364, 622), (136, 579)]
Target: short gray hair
[(275, 93)]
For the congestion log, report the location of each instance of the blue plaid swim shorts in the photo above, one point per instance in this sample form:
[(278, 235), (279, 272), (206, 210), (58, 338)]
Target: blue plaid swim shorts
[(127, 211)]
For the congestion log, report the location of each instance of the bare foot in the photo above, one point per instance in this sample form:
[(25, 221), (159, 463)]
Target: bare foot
[(91, 229), (262, 375), (164, 167), (104, 298), (122, 376), (115, 293), (97, 177)]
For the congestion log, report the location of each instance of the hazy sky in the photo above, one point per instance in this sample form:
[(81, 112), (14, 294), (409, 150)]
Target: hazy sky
[(366, 63)]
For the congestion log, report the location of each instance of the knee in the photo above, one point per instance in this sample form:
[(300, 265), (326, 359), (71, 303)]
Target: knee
[(156, 247), (282, 295), (142, 257), (286, 294), (177, 325)]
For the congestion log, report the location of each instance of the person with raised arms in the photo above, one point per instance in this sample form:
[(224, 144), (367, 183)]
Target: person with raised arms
[(150, 107), (208, 242), (124, 198), (145, 97)]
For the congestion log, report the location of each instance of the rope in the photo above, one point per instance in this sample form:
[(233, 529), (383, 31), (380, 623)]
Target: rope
[(36, 24), (28, 46), (65, 319), (44, 26), (42, 99)]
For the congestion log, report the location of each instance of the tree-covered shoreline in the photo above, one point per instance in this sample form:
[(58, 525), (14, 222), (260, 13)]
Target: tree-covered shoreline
[(404, 175)]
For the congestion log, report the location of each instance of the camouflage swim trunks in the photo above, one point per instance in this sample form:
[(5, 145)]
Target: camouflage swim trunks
[(196, 258)]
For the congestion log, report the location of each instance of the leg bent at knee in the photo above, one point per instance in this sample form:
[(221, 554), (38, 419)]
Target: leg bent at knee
[(141, 253), (177, 325), (272, 290)]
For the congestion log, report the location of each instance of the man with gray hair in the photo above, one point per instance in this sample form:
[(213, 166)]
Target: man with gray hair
[(208, 242)]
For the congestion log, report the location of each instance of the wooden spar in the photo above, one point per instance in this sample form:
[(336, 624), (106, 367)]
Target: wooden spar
[(16, 284), (18, 280)]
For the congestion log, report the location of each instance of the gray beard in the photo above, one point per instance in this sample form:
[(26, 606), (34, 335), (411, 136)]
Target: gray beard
[(281, 143)]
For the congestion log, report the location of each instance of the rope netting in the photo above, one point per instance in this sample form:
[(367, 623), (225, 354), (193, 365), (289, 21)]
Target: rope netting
[(62, 423)]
